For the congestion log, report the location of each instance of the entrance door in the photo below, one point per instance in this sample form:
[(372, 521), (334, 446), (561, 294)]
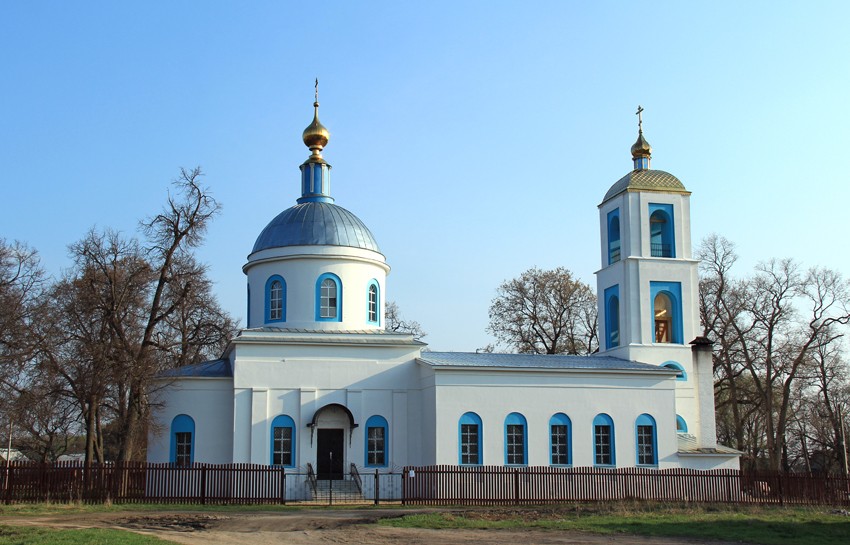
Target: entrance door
[(330, 455)]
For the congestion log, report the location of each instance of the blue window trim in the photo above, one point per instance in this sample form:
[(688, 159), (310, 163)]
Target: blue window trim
[(319, 281), (269, 298), (377, 421), (615, 215), (182, 423), (681, 425), (682, 376), (673, 290), (517, 419), (470, 418), (668, 234), (647, 420), (282, 421), (612, 292), (603, 419), (377, 320), (560, 419)]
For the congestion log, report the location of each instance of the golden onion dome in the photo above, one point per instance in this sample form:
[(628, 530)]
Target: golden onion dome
[(316, 135), (641, 147)]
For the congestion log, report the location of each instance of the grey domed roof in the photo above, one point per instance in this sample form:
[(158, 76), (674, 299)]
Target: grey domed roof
[(646, 180), (316, 223)]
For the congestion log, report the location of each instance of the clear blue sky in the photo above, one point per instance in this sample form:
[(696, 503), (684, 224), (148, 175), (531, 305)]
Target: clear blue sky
[(475, 139)]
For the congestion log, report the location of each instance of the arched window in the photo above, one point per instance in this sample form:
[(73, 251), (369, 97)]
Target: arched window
[(374, 303), (377, 439), (614, 236), (283, 441), (603, 440), (275, 299), (663, 310), (560, 443), (182, 440), (647, 451), (681, 375), (328, 298), (469, 440), (661, 230), (612, 317), (681, 425), (666, 311), (516, 440)]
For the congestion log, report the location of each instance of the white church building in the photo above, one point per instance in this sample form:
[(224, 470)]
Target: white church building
[(315, 379)]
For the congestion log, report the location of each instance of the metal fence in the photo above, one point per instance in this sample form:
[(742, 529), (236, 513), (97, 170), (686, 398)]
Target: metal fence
[(432, 485)]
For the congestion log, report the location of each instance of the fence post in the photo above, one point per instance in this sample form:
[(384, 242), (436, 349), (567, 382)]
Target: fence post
[(403, 486), (203, 484), (331, 489), (516, 486), (283, 486), (377, 487), (9, 474)]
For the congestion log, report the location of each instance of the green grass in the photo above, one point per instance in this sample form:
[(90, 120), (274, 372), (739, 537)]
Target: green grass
[(18, 535), (767, 526)]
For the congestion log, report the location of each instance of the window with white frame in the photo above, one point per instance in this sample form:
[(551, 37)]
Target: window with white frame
[(470, 439), (376, 441), (282, 446), (645, 431), (559, 440), (603, 440), (373, 303), (516, 446), (183, 441), (276, 301), (328, 299)]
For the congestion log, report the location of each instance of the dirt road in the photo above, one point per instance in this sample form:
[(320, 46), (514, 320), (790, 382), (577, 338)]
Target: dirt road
[(352, 526)]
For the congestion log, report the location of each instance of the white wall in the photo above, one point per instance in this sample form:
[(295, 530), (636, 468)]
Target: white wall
[(300, 267), (539, 395), (209, 401)]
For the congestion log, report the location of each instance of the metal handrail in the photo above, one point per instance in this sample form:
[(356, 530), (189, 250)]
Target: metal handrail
[(661, 250), (355, 476), (311, 477)]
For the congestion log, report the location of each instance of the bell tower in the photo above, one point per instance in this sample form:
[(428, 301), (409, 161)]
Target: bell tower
[(648, 284)]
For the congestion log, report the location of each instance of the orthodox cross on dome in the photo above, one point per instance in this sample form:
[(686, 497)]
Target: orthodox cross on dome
[(317, 89), (637, 113)]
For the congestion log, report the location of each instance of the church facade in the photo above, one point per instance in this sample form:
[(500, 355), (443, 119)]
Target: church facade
[(315, 379)]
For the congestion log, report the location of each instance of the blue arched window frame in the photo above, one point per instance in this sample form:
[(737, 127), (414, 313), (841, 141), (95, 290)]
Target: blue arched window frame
[(612, 317), (338, 283), (182, 424), (560, 454), (681, 425), (673, 291), (269, 283), (516, 455), (282, 421), (614, 244), (662, 241), (373, 435), (646, 441), (682, 376), (373, 302), (604, 445), (470, 438)]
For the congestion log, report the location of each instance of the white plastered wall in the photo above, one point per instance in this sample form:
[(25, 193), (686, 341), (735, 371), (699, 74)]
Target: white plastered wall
[(300, 267)]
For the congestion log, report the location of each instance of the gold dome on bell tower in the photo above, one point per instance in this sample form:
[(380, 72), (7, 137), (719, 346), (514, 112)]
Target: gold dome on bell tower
[(316, 135)]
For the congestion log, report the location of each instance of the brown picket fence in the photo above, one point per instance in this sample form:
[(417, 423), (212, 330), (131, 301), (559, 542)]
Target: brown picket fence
[(494, 485), (431, 485)]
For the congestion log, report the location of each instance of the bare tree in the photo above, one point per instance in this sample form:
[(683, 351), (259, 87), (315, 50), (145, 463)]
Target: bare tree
[(768, 331), (397, 324), (545, 312)]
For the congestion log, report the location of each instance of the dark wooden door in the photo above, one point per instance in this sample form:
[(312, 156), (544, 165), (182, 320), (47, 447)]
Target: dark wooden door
[(329, 445)]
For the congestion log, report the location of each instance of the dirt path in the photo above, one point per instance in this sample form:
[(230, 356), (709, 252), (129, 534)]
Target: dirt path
[(327, 526)]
